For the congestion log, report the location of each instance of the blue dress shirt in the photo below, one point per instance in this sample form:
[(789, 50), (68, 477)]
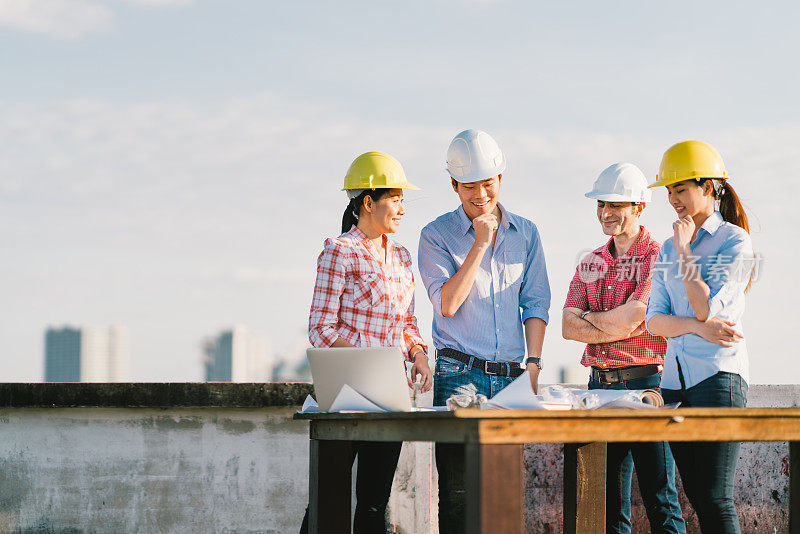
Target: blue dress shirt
[(724, 253), (510, 286)]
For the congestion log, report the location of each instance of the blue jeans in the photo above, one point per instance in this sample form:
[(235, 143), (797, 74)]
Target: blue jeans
[(655, 470), (708, 469), (454, 377)]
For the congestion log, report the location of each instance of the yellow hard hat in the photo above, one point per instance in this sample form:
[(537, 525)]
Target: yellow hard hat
[(376, 170), (690, 160)]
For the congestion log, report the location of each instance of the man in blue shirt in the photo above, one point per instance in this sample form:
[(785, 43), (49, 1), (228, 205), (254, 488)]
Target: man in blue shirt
[(484, 270)]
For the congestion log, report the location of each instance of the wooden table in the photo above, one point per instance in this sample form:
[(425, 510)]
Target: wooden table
[(493, 442)]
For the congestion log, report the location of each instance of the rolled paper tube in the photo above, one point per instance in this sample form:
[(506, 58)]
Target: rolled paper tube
[(651, 396)]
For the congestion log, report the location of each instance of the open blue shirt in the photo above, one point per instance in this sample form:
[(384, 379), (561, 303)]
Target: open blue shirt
[(725, 255), (510, 286)]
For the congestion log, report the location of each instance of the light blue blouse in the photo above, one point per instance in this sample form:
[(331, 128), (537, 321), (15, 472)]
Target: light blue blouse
[(510, 286), (724, 253)]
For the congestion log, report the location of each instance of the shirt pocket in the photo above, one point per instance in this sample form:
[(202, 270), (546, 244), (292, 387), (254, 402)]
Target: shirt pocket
[(404, 288), (514, 268), (623, 289), (366, 290)]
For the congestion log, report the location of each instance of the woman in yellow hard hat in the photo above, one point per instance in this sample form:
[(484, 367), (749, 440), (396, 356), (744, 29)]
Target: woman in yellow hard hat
[(697, 302), (364, 297)]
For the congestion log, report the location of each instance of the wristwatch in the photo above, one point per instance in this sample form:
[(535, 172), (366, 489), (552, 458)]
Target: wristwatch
[(584, 314), (532, 359)]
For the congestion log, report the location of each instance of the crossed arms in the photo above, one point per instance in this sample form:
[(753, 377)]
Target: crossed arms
[(618, 323)]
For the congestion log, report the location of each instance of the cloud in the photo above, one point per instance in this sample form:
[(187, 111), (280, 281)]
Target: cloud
[(176, 216), (67, 19)]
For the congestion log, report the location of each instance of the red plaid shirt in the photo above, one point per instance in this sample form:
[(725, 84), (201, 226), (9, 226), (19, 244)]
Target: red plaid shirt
[(602, 282), (360, 298)]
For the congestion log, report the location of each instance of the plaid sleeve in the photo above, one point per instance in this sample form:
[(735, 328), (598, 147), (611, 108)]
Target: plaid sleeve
[(411, 334), (577, 296), (644, 277), (328, 288)]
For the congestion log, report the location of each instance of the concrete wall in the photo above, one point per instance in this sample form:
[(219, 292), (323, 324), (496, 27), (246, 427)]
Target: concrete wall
[(236, 462), (152, 470)]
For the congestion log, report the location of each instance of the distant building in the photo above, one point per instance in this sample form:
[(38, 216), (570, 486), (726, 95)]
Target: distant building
[(291, 363), (237, 355), (86, 354), (574, 374)]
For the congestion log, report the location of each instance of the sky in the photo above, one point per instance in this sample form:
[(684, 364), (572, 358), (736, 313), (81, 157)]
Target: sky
[(175, 165)]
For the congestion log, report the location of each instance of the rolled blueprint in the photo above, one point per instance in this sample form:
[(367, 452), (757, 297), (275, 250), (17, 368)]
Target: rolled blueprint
[(619, 398)]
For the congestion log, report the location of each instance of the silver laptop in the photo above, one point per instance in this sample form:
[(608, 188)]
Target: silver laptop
[(379, 374)]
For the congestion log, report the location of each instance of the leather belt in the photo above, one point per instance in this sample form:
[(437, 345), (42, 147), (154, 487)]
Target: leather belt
[(489, 367), (614, 376)]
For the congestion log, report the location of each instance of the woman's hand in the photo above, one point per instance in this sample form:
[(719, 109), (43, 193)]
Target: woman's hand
[(422, 369), (719, 331), (684, 230)]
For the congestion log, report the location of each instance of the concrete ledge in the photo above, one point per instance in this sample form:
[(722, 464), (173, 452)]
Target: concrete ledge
[(153, 395)]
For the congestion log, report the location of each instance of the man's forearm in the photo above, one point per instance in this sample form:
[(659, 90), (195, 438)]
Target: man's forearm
[(456, 290), (577, 329), (534, 336), (618, 321)]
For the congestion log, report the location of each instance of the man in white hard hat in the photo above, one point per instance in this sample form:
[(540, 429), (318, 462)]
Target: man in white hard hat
[(605, 309), (484, 271)]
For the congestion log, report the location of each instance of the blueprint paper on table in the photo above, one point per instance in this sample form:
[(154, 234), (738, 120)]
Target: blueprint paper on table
[(310, 405), (619, 398), (519, 395), (350, 400)]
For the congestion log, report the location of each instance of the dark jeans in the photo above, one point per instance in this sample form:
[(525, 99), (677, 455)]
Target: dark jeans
[(377, 462), (708, 469), (655, 470), (454, 377)]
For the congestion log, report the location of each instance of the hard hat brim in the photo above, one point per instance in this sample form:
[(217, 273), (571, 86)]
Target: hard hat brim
[(406, 185), (670, 181), (615, 197), (476, 176)]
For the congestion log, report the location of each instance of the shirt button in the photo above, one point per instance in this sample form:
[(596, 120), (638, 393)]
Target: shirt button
[(603, 352), (609, 287), (498, 330), (496, 305)]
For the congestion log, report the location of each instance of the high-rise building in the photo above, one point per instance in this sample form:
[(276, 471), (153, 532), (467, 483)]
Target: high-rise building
[(86, 354), (290, 363), (237, 355)]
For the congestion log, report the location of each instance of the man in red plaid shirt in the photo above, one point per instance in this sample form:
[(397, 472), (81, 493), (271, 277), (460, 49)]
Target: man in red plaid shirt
[(605, 309)]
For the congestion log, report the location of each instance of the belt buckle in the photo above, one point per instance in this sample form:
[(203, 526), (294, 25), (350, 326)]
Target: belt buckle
[(487, 367), (603, 378)]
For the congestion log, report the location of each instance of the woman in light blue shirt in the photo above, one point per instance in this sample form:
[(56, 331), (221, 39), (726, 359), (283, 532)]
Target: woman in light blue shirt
[(697, 303)]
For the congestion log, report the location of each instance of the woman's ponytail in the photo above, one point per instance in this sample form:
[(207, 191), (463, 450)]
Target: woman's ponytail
[(350, 216), (732, 211), (730, 207)]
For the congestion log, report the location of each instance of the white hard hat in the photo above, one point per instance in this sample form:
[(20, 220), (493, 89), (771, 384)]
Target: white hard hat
[(473, 155), (621, 182)]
